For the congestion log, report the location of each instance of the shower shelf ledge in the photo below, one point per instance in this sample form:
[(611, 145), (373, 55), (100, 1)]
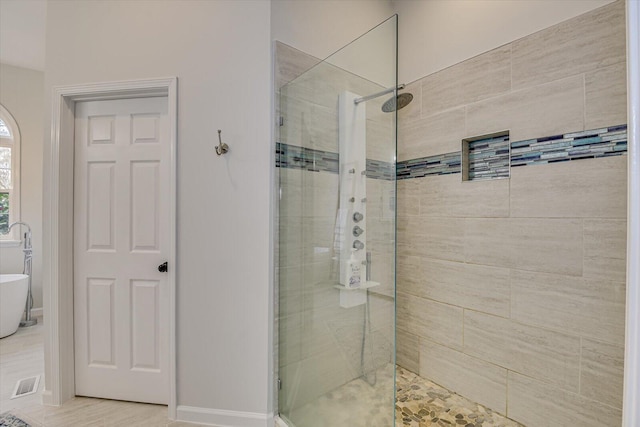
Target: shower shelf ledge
[(365, 285), (353, 297)]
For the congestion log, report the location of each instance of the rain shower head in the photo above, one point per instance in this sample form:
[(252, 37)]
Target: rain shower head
[(393, 104), (397, 102)]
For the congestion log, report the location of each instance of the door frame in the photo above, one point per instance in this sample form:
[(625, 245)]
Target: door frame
[(631, 413), (58, 229)]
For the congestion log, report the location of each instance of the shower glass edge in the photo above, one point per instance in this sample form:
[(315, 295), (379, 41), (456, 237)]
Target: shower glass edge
[(336, 346)]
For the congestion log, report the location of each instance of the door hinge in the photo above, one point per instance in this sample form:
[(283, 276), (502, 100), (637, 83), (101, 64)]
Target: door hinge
[(281, 121)]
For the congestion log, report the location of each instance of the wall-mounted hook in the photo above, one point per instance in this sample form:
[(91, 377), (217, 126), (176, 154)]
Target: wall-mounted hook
[(222, 148)]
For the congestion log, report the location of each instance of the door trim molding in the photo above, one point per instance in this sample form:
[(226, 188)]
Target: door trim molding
[(631, 412), (58, 229)]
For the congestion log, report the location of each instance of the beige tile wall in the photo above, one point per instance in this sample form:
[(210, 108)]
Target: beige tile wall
[(482, 77), (605, 95), (548, 109), (512, 292), (536, 403), (483, 382), (567, 78), (586, 43)]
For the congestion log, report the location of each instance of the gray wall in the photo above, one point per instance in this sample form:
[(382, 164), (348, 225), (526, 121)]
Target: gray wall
[(220, 52), (512, 292)]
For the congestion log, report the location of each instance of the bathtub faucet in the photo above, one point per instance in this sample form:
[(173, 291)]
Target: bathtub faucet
[(28, 255), (27, 235)]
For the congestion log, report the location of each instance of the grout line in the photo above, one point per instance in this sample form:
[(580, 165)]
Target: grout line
[(510, 293), (457, 350), (511, 67), (463, 322), (584, 101), (580, 369), (506, 403), (583, 249), (466, 120), (421, 97)]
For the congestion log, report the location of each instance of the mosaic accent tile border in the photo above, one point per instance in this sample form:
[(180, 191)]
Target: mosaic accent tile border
[(294, 157), (377, 169), (588, 144), (486, 158), (490, 159), (442, 164)]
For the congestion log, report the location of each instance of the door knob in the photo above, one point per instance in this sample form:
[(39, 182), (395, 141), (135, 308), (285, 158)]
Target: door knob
[(162, 268)]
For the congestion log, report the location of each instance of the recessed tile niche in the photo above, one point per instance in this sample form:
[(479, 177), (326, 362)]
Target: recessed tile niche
[(486, 157)]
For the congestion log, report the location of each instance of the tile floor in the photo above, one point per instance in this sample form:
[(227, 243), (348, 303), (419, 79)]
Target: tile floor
[(420, 403), (22, 355)]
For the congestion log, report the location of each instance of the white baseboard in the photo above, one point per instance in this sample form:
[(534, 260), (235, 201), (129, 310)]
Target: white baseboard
[(279, 422), (223, 418)]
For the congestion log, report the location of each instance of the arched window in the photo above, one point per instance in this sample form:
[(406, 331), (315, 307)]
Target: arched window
[(9, 173)]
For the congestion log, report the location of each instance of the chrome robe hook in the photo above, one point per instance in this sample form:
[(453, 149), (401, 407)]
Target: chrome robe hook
[(222, 148)]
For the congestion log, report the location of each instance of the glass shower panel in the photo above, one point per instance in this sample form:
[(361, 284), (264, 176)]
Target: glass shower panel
[(336, 249)]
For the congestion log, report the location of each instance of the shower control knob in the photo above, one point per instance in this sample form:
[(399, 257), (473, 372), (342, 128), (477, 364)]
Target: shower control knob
[(162, 268), (357, 245), (357, 231), (357, 217)]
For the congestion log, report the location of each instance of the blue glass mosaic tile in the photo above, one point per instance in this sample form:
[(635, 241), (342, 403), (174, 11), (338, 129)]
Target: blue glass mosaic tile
[(488, 158), (588, 144), (295, 157), (378, 169), (442, 164)]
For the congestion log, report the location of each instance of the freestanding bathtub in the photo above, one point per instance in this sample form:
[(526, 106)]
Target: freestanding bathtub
[(13, 297)]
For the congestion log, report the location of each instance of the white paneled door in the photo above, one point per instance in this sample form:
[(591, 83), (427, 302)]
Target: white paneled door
[(121, 237)]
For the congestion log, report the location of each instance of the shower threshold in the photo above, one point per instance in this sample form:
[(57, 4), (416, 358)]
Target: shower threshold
[(419, 403)]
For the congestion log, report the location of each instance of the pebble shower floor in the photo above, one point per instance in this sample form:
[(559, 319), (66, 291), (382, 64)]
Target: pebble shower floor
[(421, 403)]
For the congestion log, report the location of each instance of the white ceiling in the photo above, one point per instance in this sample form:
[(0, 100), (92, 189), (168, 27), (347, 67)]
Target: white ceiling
[(22, 33)]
